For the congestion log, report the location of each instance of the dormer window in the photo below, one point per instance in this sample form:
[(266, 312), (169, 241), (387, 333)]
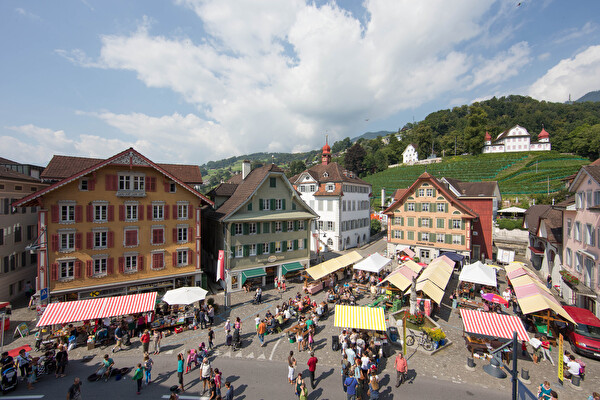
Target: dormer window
[(330, 187), (325, 174), (131, 184)]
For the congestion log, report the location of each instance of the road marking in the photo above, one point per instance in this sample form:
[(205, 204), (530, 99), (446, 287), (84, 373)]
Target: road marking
[(261, 357), (273, 351), (28, 396), (169, 352), (238, 355), (251, 355), (166, 396), (228, 354)]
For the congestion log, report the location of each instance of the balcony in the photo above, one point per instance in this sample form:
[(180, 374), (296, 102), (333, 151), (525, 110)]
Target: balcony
[(131, 193)]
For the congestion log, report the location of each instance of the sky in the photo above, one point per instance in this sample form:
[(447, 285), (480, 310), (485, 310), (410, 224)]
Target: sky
[(190, 81)]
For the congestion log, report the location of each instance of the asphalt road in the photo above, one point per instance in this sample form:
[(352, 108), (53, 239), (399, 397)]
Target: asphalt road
[(251, 378)]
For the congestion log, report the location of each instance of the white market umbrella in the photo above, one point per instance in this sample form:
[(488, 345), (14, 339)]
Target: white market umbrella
[(185, 295)]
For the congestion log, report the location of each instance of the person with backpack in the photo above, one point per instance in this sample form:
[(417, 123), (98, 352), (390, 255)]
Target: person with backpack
[(62, 359), (137, 377), (148, 363), (351, 385)]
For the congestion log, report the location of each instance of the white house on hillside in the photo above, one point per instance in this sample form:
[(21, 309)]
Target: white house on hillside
[(516, 139), (410, 155)]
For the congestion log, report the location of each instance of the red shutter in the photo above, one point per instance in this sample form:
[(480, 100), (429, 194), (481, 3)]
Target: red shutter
[(166, 209), (54, 271), (148, 184), (110, 266), (190, 211), (89, 211), (121, 212), (191, 259), (110, 239), (111, 213), (190, 233), (140, 263), (166, 185), (111, 182), (91, 184), (140, 212), (54, 213), (149, 211), (175, 214), (78, 213), (89, 240), (78, 265), (174, 258), (78, 240), (121, 265), (175, 234), (89, 270), (55, 242)]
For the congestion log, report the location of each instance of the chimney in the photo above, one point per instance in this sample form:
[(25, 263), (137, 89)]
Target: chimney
[(246, 168), (382, 198)]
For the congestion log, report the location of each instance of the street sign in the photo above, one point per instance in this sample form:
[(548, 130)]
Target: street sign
[(95, 294), (561, 355), (43, 294)]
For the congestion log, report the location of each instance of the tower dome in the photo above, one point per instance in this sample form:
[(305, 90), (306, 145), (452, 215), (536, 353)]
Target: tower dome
[(326, 156), (543, 134), (488, 137)]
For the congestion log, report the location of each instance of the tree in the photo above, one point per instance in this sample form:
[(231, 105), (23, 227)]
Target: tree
[(341, 145), (375, 226), (353, 161), (295, 167)]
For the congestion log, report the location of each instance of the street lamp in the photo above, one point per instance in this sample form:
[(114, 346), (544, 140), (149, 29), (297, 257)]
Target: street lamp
[(41, 243)]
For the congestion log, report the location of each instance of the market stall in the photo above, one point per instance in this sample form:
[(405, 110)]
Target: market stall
[(374, 263), (320, 271), (401, 278), (185, 295), (478, 273), (364, 318)]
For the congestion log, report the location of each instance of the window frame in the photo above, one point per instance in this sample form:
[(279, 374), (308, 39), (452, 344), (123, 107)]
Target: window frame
[(66, 234), (62, 276)]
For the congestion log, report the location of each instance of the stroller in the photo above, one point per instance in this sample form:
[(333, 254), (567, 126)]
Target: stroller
[(237, 341), (9, 378)]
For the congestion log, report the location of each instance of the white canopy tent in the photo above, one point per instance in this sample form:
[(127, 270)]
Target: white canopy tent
[(374, 263), (478, 273), (184, 295)]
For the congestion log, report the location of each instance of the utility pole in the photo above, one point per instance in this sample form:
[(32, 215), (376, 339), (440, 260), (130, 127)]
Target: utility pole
[(455, 145)]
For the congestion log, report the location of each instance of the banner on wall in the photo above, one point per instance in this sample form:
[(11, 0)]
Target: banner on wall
[(221, 265)]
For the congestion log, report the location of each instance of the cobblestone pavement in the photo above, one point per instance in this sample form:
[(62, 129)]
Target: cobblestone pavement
[(447, 364)]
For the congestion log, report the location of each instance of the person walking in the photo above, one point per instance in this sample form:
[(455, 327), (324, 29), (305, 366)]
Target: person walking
[(373, 391), (145, 339), (298, 383), (257, 322), (211, 314), (205, 373), (303, 392), (202, 318), (157, 337), (312, 366), (148, 363), (229, 393), (137, 377), (401, 368), (62, 359), (74, 392), (180, 371), (211, 338), (217, 379), (238, 324), (118, 339), (262, 329), (350, 385), (345, 368), (546, 349), (291, 367)]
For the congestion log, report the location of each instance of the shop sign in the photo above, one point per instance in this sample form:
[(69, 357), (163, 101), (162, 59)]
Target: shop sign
[(95, 293), (272, 259), (154, 285), (426, 244)]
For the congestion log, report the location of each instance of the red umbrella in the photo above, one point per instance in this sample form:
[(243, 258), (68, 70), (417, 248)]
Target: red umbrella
[(494, 298)]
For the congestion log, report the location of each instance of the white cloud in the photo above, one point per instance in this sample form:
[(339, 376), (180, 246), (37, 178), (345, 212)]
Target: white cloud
[(572, 76), (575, 33), (28, 14), (276, 75)]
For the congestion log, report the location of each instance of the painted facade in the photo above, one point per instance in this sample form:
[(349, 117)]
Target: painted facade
[(410, 155), (516, 139), (122, 226)]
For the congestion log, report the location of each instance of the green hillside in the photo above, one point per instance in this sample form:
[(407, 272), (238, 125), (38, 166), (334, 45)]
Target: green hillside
[(516, 173)]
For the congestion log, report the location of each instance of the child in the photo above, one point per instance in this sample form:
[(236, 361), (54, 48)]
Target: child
[(311, 340), (31, 377), (148, 363), (137, 376), (211, 337), (192, 357)]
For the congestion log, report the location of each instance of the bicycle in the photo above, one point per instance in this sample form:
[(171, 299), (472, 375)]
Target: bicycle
[(422, 340)]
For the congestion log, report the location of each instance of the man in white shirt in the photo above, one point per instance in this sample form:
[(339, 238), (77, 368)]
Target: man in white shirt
[(572, 367)]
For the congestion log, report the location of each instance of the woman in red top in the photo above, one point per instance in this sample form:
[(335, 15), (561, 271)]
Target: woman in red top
[(145, 339)]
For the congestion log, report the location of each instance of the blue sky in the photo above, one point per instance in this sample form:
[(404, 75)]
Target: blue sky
[(189, 81)]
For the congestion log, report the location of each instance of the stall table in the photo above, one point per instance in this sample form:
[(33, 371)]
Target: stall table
[(314, 287)]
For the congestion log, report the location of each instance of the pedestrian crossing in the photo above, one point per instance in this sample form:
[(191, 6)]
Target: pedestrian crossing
[(187, 397)]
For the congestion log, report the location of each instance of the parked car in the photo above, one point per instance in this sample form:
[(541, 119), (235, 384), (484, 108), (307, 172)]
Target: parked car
[(585, 334)]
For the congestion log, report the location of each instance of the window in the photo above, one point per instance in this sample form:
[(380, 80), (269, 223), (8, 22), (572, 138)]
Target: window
[(440, 238), (99, 267), (131, 212), (290, 226), (569, 227), (250, 206), (273, 182), (100, 239), (158, 260), (279, 204), (425, 207), (589, 198), (569, 257), (429, 192), (172, 187), (239, 229), (330, 187), (300, 244), (100, 212), (66, 270), (265, 248), (577, 231), (330, 225), (397, 220), (252, 228), (67, 213), (67, 241), (130, 182), (1, 236), (578, 262), (425, 236), (278, 226), (290, 245), (425, 222), (266, 204), (158, 212), (158, 236), (456, 239), (301, 225), (441, 207), (421, 192), (239, 251), (182, 257), (590, 239), (580, 200), (18, 234), (597, 198), (456, 224), (130, 263), (397, 234), (182, 234), (410, 221), (277, 247), (182, 211), (313, 188), (252, 249), (83, 184), (131, 237)]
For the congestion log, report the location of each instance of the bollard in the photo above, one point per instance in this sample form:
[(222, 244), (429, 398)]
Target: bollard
[(576, 380), (470, 362), (525, 374)]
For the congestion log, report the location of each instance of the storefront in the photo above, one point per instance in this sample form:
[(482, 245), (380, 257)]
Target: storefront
[(263, 275)]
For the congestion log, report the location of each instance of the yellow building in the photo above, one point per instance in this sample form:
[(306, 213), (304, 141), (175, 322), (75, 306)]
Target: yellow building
[(117, 226)]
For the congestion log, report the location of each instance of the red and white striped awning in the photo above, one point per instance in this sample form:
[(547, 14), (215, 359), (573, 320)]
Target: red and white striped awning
[(81, 310), (493, 324)]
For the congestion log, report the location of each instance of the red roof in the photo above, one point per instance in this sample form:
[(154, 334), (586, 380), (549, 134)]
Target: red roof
[(326, 149), (488, 137), (543, 134)]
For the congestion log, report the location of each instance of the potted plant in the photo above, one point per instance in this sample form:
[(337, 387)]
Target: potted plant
[(569, 278), (437, 336)]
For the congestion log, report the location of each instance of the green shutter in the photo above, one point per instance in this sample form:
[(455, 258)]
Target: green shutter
[(416, 192), (411, 221), (410, 235), (401, 221), (284, 226), (246, 228), (272, 201), (232, 229), (295, 225), (259, 249), (266, 227), (246, 250), (273, 227), (432, 207), (448, 238), (305, 240), (272, 247), (419, 222), (446, 207), (431, 222), (434, 192), (462, 224), (249, 206), (462, 239), (418, 207), (283, 204), (293, 206), (405, 206), (418, 235), (260, 204), (284, 246), (258, 227), (296, 244), (450, 223), (401, 234)]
